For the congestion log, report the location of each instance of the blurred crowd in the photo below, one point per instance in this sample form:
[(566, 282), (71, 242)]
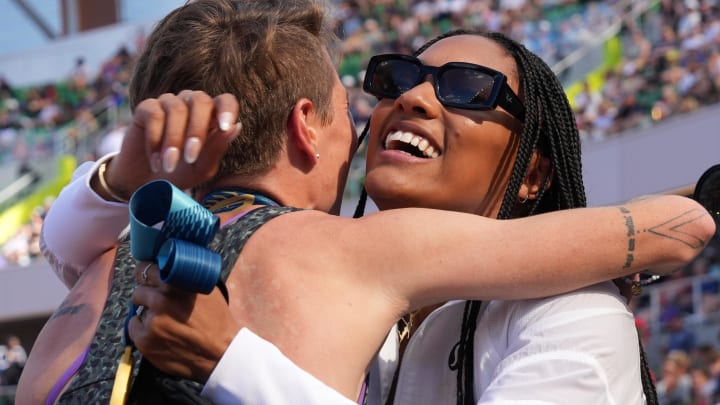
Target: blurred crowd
[(687, 365), (24, 246), (670, 62), (31, 118), (12, 360), (690, 378), (670, 66)]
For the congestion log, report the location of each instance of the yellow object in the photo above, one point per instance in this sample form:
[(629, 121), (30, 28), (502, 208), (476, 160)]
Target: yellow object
[(122, 378), (14, 217)]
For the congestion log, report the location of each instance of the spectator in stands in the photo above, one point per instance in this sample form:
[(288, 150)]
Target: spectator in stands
[(703, 385), (4, 363), (675, 386), (12, 360), (681, 338), (78, 77)]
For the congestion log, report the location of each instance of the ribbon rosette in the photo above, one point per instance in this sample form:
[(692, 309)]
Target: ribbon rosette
[(169, 227)]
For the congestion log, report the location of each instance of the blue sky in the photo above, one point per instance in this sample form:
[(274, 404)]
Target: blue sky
[(20, 34)]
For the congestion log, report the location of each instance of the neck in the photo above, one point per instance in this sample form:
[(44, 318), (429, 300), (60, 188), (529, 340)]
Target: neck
[(284, 183)]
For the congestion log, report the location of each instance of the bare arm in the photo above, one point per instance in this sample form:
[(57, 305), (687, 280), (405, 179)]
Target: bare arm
[(427, 256)]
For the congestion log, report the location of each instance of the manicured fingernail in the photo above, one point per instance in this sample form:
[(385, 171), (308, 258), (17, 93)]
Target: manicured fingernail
[(192, 149), (225, 120), (155, 162), (170, 159), (236, 132)]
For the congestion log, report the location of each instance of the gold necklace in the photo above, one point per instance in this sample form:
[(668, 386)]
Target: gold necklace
[(405, 325)]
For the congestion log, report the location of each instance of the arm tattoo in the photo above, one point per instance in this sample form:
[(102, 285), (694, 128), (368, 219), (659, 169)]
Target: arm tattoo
[(673, 229), (630, 225), (66, 309)]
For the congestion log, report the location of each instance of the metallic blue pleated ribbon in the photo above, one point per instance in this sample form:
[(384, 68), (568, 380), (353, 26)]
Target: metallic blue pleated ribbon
[(169, 227)]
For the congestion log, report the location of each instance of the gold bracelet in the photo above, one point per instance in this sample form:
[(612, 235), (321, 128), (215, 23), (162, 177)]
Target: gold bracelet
[(105, 186)]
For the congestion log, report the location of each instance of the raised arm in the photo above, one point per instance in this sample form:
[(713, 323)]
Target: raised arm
[(428, 256), (90, 212)]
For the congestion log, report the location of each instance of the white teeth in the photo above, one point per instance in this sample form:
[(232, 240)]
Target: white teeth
[(423, 145), (409, 138)]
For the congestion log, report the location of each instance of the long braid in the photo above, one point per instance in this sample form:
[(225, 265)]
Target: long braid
[(548, 114), (550, 127), (360, 207), (648, 384)]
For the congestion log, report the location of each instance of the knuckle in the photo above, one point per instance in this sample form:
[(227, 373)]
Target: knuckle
[(202, 99)]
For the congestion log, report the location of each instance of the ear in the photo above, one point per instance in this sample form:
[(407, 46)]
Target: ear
[(302, 129), (540, 174)]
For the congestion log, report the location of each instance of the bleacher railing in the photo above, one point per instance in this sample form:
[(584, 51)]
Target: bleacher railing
[(696, 299)]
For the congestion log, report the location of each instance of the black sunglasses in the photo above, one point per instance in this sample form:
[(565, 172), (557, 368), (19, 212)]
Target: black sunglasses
[(457, 84)]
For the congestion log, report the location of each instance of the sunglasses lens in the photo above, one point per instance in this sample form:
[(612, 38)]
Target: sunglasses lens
[(465, 86), (393, 77)]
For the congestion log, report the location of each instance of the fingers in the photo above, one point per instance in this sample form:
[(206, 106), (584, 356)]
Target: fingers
[(147, 274), (199, 123), (177, 128), (176, 112), (223, 128)]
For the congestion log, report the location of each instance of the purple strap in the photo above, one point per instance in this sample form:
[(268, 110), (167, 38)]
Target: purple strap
[(236, 217), (361, 400), (65, 378)]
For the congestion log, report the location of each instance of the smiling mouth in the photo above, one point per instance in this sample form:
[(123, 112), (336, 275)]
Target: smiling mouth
[(410, 143)]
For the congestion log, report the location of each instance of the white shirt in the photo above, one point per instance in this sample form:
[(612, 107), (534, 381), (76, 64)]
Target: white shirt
[(575, 348)]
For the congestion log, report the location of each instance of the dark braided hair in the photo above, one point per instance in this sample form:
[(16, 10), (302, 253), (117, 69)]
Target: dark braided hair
[(550, 128)]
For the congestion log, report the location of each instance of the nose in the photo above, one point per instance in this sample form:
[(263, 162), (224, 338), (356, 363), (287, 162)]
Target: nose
[(420, 100)]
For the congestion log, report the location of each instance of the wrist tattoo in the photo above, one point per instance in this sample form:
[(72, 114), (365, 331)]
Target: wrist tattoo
[(630, 225)]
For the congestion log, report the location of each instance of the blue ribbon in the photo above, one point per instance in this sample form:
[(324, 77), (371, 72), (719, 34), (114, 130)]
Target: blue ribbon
[(169, 227)]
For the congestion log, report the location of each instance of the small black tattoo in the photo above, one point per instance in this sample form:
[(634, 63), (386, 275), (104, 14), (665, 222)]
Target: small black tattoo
[(630, 225), (69, 310), (673, 229)]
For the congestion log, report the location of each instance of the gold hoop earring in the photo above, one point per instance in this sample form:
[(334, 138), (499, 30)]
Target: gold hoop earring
[(524, 200)]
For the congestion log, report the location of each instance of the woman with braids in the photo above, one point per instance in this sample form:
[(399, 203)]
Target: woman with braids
[(312, 295), (580, 347)]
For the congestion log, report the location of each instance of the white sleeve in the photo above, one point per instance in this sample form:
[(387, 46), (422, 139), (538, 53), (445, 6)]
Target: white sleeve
[(254, 371), (579, 348), (80, 225)]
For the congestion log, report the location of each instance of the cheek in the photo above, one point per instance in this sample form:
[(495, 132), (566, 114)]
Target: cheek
[(377, 120), (482, 157)]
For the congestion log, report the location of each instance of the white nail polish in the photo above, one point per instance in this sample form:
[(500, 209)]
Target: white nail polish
[(225, 121), (170, 159), (192, 149), (236, 132)]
